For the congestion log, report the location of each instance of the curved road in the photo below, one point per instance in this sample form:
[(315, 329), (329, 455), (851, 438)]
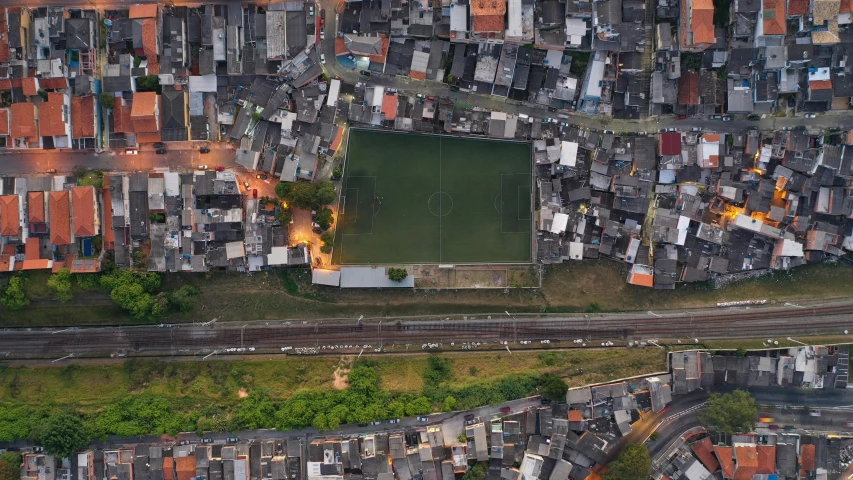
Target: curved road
[(354, 336)]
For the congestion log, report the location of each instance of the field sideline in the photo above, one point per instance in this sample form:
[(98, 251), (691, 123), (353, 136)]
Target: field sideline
[(411, 198)]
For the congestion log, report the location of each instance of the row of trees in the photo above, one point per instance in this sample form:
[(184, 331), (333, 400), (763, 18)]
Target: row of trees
[(308, 196)]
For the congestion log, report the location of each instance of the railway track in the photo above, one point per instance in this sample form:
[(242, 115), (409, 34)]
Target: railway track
[(277, 335)]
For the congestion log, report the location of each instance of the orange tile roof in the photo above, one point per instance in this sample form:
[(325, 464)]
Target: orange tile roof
[(31, 248), (30, 86), (338, 139), (488, 7), (704, 451), (846, 7), (7, 263), (774, 17), (642, 279), (807, 453), (711, 138), (24, 121), (148, 10), (10, 216), (702, 24), (107, 232), (149, 39), (340, 46), (185, 467), (688, 89), (50, 116), (9, 249), (747, 462), (820, 84), (148, 137), (83, 209), (798, 7), (724, 456), (389, 107), (83, 117), (142, 112), (766, 459), (575, 416), (4, 39), (53, 83), (5, 84), (60, 218), (4, 121), (488, 23), (383, 52), (35, 207), (168, 468), (121, 118), (416, 75)]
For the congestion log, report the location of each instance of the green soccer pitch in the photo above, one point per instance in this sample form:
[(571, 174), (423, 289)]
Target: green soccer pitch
[(412, 198)]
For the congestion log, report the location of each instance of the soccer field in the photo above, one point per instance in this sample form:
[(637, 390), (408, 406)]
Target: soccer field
[(411, 198)]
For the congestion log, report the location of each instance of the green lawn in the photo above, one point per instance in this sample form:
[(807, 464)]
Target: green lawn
[(408, 198)]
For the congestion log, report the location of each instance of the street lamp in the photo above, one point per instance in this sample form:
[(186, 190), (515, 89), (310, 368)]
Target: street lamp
[(797, 341)]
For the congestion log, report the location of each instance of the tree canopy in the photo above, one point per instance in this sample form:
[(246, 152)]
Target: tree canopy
[(10, 466), (148, 83), (324, 218), (397, 274), (107, 100), (133, 291), (15, 297), (553, 387), (328, 239), (730, 412), (63, 434), (60, 283), (632, 464), (326, 193)]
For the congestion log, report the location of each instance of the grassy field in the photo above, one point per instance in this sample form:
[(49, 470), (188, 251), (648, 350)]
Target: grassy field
[(575, 287), (409, 198)]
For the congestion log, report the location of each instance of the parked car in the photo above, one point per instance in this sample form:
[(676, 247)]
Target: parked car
[(206, 440), (753, 118), (159, 145), (323, 58), (774, 427), (162, 151), (609, 131), (420, 95), (394, 420), (696, 129), (810, 115), (505, 409), (246, 185), (204, 150), (470, 416), (672, 129), (787, 128), (322, 37), (185, 442), (201, 167), (50, 170), (254, 193), (727, 119), (365, 73), (716, 117), (423, 419), (681, 117), (317, 230), (262, 176), (232, 440), (131, 151), (219, 168)]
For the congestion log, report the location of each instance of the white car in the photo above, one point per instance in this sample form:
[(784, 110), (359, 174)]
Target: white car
[(202, 167), (810, 115), (322, 34), (323, 58), (131, 151)]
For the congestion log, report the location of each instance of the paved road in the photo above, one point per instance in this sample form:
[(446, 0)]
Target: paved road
[(784, 405), (181, 156)]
